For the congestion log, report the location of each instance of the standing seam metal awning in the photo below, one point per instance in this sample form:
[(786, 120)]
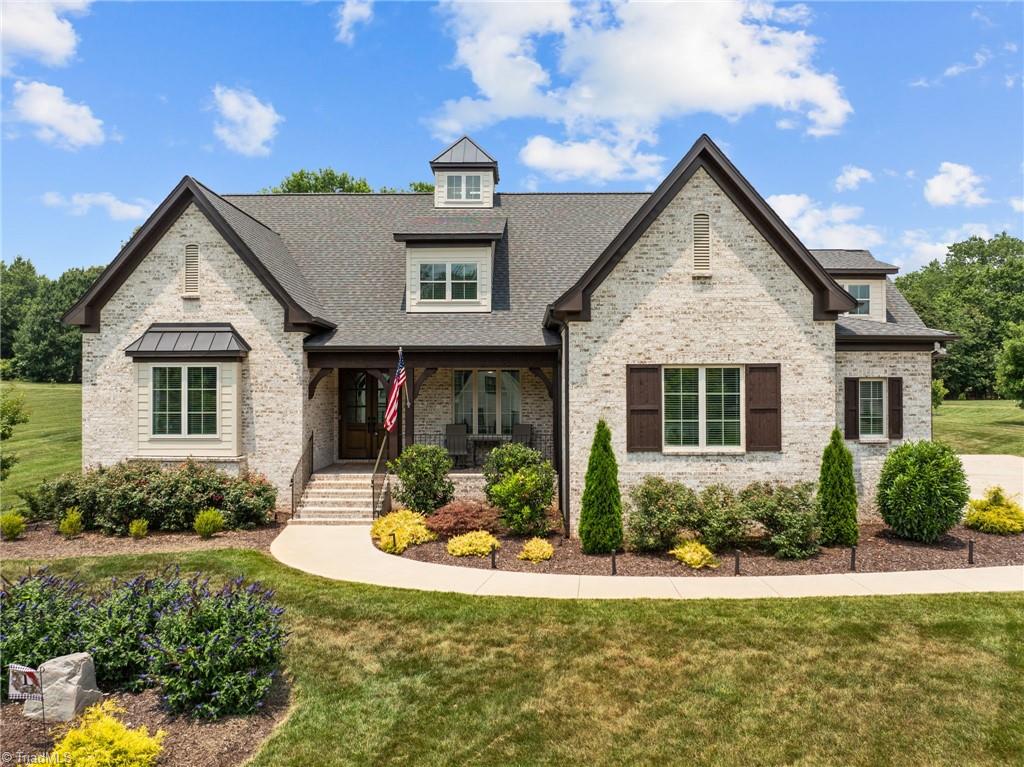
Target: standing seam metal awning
[(189, 340)]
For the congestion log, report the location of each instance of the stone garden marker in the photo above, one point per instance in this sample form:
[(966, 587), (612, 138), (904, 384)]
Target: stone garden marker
[(69, 685)]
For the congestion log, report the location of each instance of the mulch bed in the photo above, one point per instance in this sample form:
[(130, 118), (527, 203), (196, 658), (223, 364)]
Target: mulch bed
[(189, 742), (41, 541), (878, 551)]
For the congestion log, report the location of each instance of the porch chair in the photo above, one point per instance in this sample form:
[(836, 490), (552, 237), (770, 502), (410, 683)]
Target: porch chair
[(523, 434), (456, 442)]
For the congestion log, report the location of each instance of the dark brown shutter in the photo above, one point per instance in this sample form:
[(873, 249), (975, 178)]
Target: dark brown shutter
[(764, 408), (895, 408), (851, 406), (643, 408)]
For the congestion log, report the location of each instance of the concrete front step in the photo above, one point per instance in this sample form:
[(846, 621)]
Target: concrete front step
[(330, 521)]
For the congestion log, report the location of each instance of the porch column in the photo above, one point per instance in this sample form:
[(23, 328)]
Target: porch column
[(556, 417)]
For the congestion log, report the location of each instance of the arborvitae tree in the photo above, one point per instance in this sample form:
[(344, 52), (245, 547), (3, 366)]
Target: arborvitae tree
[(601, 508), (837, 494)]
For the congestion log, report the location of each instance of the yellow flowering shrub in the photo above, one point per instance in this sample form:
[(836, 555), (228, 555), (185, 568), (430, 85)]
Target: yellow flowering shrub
[(475, 544), (537, 550), (100, 739), (995, 513), (695, 555), (408, 529)]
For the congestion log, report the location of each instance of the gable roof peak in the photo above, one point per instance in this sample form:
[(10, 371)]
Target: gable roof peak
[(464, 153)]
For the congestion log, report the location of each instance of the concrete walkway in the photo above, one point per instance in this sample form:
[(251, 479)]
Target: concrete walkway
[(344, 552), (984, 471)]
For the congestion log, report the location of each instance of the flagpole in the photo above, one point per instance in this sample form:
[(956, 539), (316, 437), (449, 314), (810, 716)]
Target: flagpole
[(405, 383)]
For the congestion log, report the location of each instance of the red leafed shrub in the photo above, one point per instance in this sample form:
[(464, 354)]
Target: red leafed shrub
[(460, 517)]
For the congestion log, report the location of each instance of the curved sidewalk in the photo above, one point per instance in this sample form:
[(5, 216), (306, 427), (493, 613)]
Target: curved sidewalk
[(344, 552)]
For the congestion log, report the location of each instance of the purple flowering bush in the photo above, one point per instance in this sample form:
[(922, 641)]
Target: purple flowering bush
[(211, 651)]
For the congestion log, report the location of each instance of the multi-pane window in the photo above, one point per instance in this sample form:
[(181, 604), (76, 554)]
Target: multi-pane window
[(863, 295), (872, 408), (487, 401), (472, 187), (454, 187), (433, 282), (459, 188), (463, 282), (702, 406), (184, 396)]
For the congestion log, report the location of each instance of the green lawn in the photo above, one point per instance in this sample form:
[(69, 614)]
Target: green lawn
[(385, 676), (50, 443), (981, 426)]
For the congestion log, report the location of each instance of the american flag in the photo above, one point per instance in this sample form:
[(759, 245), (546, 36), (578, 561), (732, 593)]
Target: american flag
[(397, 382)]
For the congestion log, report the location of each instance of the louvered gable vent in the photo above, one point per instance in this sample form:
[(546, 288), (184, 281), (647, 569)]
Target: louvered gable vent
[(701, 243), (191, 286)]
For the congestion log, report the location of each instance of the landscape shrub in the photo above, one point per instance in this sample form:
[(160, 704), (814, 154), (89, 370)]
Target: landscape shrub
[(71, 525), (659, 511), (100, 739), (423, 483), (216, 652), (507, 459), (837, 494), (524, 499), (138, 528), (460, 517), (536, 550), (788, 513), (475, 544), (995, 513), (922, 490), (694, 554), (723, 521), (939, 393), (208, 523), (397, 531), (109, 498), (601, 506), (12, 525)]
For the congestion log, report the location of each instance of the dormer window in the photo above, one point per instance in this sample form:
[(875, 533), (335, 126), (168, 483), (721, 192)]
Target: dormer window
[(454, 187), (464, 176), (461, 188), (449, 278), (448, 282), (863, 295), (472, 187)]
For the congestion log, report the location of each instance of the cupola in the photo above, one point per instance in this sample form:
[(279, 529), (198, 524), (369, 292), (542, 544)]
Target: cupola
[(464, 176)]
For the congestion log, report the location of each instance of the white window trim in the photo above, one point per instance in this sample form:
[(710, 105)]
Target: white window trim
[(448, 285), (867, 301), (462, 199), (184, 402), (476, 399), (703, 448), (884, 436)]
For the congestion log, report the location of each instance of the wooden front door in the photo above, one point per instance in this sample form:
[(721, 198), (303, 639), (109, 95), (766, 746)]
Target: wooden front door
[(362, 400)]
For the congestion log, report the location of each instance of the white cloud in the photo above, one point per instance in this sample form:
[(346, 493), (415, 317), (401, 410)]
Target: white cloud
[(981, 58), (820, 227), (978, 16), (593, 159), (350, 13), (81, 203), (919, 246), (955, 184), (1017, 203), (620, 70), (852, 177), (1009, 80), (37, 30), (56, 119), (247, 125), (1010, 47)]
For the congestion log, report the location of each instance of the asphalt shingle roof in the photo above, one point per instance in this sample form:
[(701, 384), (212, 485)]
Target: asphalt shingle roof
[(900, 320), (482, 224), (835, 260)]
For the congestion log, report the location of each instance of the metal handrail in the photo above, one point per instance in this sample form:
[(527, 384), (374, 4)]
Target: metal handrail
[(300, 476), (380, 483)]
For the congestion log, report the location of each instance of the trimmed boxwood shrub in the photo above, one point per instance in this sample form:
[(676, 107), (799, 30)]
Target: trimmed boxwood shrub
[(659, 511), (922, 490), (837, 494), (601, 505), (524, 499), (110, 498), (423, 483), (788, 513), (723, 522), (505, 460)]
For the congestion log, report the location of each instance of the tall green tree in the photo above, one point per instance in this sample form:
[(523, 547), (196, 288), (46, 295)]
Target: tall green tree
[(1010, 365), (19, 284), (837, 494), (977, 292), (44, 348), (12, 413), (601, 505), (329, 181)]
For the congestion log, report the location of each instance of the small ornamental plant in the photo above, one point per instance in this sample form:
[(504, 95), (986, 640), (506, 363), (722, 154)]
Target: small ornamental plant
[(423, 483), (995, 513), (12, 525), (460, 517), (837, 494), (524, 498), (694, 555), (100, 739), (601, 505), (397, 531), (475, 544), (536, 550), (138, 528), (922, 490), (71, 525), (208, 523)]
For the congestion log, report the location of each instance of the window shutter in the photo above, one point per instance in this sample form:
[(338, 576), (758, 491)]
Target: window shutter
[(191, 286), (701, 242), (764, 408), (851, 406), (895, 408), (643, 408)]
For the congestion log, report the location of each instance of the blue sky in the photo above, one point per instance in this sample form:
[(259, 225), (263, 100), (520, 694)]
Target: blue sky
[(893, 126)]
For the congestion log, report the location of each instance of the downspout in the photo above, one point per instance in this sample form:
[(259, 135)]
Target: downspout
[(563, 475)]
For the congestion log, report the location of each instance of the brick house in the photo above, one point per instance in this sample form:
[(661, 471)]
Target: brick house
[(262, 330)]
